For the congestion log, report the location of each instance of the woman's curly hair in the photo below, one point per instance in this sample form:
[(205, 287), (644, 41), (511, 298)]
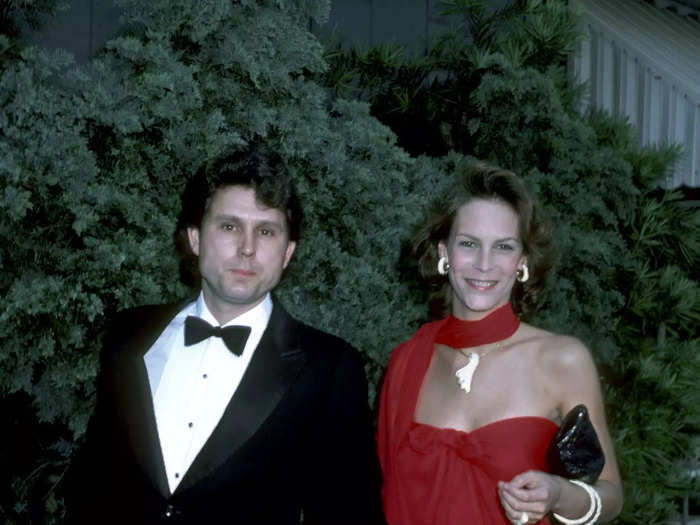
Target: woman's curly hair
[(483, 181)]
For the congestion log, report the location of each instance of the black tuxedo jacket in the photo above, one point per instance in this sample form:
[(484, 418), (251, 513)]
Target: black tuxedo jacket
[(295, 444)]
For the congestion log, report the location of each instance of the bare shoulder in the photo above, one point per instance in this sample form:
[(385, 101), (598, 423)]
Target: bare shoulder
[(562, 355)]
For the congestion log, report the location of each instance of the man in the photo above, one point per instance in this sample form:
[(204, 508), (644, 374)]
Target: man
[(263, 422)]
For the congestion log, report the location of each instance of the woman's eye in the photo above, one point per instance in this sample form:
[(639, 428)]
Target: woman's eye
[(467, 244), (506, 247), (265, 232), (228, 227)]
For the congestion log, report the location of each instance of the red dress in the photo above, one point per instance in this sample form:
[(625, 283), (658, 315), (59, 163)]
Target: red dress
[(436, 476)]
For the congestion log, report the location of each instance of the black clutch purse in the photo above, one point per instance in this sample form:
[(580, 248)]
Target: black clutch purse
[(575, 451)]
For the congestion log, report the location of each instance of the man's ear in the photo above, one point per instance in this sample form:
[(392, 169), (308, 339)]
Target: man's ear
[(291, 245), (193, 237)]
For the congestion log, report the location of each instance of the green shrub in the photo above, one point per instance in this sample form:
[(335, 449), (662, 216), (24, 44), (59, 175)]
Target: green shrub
[(93, 160), (625, 283), (93, 163)]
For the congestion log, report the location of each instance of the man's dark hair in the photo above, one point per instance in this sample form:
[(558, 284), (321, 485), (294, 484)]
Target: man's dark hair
[(256, 167)]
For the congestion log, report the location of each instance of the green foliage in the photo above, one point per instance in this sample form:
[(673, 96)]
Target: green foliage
[(626, 281), (78, 242), (18, 15), (427, 100), (530, 33), (47, 309), (345, 276), (92, 164), (93, 160)]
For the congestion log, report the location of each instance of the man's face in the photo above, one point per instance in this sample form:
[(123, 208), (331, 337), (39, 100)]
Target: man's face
[(243, 248)]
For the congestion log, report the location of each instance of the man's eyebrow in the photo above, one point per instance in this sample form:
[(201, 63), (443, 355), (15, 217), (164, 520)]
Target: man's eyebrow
[(274, 224), (236, 218)]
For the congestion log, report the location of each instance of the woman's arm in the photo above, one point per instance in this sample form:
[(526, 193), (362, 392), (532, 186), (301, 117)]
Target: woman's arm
[(579, 383), (573, 378)]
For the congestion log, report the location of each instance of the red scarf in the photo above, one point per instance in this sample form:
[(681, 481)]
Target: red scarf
[(498, 325)]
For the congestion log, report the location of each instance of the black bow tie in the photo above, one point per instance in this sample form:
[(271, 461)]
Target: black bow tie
[(234, 337)]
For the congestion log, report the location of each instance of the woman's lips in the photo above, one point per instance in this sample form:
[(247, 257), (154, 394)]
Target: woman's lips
[(480, 284)]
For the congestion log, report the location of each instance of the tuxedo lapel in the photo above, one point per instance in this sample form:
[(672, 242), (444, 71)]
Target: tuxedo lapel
[(132, 389), (275, 364)]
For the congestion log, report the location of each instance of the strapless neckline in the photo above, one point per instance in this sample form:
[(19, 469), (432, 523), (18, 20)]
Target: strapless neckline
[(516, 420)]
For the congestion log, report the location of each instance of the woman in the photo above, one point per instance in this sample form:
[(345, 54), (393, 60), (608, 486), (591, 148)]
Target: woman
[(470, 404)]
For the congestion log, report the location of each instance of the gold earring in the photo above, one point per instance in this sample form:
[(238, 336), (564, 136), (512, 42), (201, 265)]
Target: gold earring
[(443, 266), (523, 274)]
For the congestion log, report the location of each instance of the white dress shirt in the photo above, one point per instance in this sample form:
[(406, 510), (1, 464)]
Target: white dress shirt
[(191, 386)]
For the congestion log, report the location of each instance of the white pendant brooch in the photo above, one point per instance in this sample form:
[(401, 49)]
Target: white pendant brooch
[(465, 374)]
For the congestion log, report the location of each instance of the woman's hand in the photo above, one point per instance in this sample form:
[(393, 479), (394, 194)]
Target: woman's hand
[(533, 492)]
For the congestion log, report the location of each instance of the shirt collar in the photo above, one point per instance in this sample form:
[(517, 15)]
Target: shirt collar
[(256, 317)]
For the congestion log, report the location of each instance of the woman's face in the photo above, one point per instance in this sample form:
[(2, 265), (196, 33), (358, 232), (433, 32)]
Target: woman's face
[(485, 252)]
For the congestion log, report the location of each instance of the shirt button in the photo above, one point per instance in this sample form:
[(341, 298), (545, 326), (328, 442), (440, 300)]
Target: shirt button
[(177, 474), (204, 376), (190, 424)]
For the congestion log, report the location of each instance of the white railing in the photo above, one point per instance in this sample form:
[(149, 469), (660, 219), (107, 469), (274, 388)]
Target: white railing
[(644, 62)]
